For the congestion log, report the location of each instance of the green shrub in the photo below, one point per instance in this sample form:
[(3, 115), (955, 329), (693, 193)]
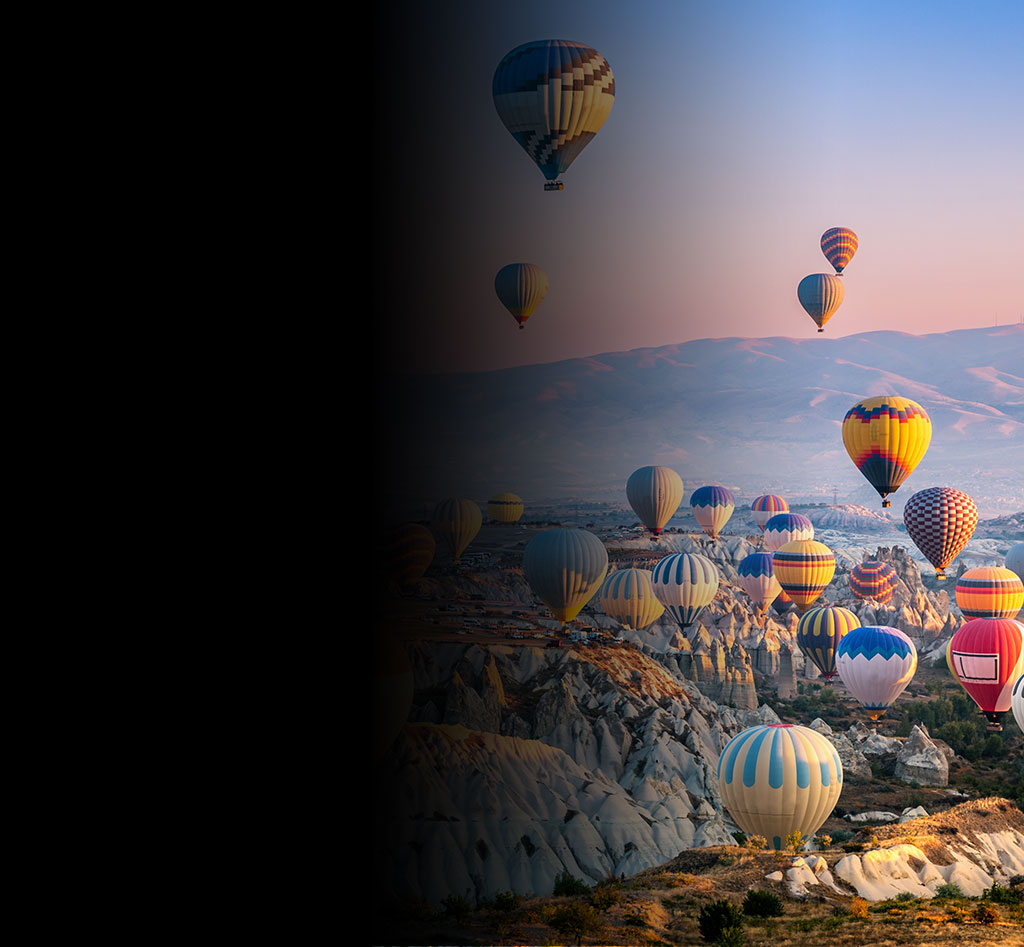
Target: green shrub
[(763, 903), (455, 906), (906, 896), (568, 886), (731, 937), (604, 897), (716, 917), (1001, 895), (506, 901), (949, 890), (577, 920)]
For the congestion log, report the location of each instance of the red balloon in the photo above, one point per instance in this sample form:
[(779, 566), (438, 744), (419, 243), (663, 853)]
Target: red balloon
[(987, 656)]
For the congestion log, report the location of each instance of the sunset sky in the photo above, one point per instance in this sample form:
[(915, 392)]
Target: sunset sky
[(740, 132)]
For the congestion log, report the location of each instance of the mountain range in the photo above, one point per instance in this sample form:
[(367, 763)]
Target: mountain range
[(757, 415)]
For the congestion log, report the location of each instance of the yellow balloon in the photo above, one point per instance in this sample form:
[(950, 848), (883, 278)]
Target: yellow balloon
[(628, 596), (505, 508), (565, 567), (457, 522)]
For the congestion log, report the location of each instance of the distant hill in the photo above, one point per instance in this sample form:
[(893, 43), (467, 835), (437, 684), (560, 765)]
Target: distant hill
[(753, 414)]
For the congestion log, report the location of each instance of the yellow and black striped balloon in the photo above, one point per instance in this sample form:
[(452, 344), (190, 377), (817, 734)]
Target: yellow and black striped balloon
[(804, 569), (819, 632), (990, 592), (505, 508)]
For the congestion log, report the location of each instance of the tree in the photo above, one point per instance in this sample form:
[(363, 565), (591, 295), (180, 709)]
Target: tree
[(577, 920)]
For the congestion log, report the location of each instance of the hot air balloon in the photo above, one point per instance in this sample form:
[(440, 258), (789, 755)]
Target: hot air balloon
[(988, 657), (457, 522), (783, 604), (757, 579), (505, 508), (565, 567), (819, 632), (874, 580), (839, 245), (409, 551), (777, 779), (712, 507), (628, 596), (785, 528), (876, 663), (1017, 702), (940, 521), (553, 96), (685, 583), (1015, 560), (655, 494), (521, 287), (804, 569), (989, 592), (886, 437), (765, 507), (821, 295)]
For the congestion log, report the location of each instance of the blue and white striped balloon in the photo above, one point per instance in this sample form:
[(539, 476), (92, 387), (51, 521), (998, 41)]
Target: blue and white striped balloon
[(785, 528), (777, 779), (685, 583), (876, 663)]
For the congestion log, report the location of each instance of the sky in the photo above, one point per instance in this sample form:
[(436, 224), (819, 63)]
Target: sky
[(740, 132)]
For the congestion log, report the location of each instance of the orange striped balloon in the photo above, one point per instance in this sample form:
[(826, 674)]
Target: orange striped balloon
[(804, 569), (410, 550), (990, 592), (839, 245)]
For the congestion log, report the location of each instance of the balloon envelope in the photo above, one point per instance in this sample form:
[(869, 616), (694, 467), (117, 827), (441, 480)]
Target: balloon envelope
[(821, 295), (785, 528), (777, 779), (940, 521), (685, 583), (819, 632), (839, 245), (765, 507), (886, 437), (409, 550), (712, 507), (804, 568), (874, 580), (521, 287), (1015, 560), (457, 522), (989, 592), (988, 657), (505, 508), (1017, 702), (876, 663), (757, 579), (565, 567), (655, 494), (553, 96), (627, 595)]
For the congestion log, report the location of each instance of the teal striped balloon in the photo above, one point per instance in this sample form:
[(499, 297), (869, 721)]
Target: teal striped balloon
[(777, 779)]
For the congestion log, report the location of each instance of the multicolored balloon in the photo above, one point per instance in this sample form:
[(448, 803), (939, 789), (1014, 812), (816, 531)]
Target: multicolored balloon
[(819, 632), (521, 287), (627, 595), (874, 580), (409, 551), (804, 569), (777, 779), (886, 437), (821, 295), (712, 507), (940, 521), (655, 494), (1017, 702), (765, 507), (685, 583), (457, 522), (757, 579), (553, 96), (785, 528), (565, 567), (989, 592), (505, 508), (988, 657), (839, 245), (876, 663)]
